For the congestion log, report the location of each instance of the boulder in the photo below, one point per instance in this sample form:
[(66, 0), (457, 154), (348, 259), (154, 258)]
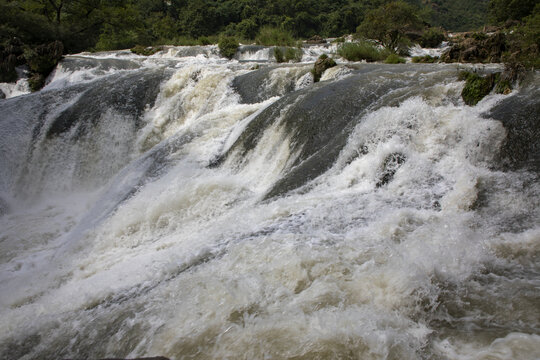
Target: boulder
[(322, 63), (477, 47), (316, 39)]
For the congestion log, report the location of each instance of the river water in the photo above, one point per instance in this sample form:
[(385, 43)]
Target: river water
[(192, 207)]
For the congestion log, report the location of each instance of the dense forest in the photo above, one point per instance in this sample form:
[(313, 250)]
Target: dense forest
[(112, 24), (38, 32)]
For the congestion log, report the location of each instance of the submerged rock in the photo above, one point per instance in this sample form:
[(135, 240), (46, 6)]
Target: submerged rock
[(390, 165), (519, 116)]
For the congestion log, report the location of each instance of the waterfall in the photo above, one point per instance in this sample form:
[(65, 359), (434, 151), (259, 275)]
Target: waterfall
[(187, 206)]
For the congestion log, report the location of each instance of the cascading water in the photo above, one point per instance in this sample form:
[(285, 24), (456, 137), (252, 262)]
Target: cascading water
[(184, 206)]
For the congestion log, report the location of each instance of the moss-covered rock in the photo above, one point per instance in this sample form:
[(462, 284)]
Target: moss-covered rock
[(322, 63), (394, 59), (145, 50), (476, 86)]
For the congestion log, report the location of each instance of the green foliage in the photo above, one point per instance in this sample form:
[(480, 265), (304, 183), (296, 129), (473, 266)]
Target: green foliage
[(394, 59), (457, 15), (269, 36), (362, 50), (390, 24), (36, 82), (10, 56), (524, 42), (247, 28), (278, 55), (503, 10), (322, 63), (287, 54), (293, 54), (432, 37), (43, 58), (476, 87), (426, 59), (204, 40), (479, 36), (228, 47)]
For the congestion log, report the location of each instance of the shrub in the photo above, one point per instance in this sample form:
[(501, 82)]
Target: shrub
[(394, 59), (431, 38), (271, 36), (43, 58), (228, 47), (293, 54), (426, 59), (362, 51), (278, 55), (203, 40), (287, 54)]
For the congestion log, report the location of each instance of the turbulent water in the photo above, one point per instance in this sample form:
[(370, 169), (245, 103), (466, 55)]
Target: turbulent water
[(191, 207)]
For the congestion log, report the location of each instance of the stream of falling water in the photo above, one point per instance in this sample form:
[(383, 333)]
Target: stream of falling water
[(195, 208)]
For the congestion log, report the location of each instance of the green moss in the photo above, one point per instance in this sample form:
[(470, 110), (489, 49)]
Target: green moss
[(322, 63), (228, 47), (394, 59), (476, 87)]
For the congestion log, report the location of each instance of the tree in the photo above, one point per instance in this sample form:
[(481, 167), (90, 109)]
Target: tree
[(502, 10), (390, 23)]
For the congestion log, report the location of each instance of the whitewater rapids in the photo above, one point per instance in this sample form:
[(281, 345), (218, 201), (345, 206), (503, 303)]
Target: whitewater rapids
[(191, 207)]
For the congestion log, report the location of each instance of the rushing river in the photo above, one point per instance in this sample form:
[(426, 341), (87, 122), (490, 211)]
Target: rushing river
[(191, 207)]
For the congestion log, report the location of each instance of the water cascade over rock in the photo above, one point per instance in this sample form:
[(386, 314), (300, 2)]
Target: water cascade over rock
[(186, 206)]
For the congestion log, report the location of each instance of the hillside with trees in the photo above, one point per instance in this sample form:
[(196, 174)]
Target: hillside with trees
[(112, 24), (38, 32)]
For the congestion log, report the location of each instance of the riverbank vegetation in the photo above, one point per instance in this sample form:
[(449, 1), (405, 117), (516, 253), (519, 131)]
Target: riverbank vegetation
[(27, 27)]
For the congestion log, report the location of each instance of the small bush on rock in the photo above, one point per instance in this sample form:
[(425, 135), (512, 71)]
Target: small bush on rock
[(228, 47), (322, 63), (362, 50), (394, 59)]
